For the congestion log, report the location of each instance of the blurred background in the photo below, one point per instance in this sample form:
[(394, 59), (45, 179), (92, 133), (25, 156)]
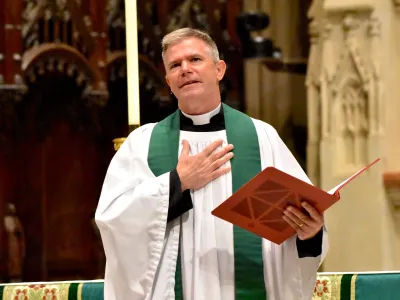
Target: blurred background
[(324, 73)]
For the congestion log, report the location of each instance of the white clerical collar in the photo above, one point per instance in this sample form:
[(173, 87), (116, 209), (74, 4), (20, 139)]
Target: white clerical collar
[(203, 119)]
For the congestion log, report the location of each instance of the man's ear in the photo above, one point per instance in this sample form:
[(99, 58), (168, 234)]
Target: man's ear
[(221, 68), (167, 80)]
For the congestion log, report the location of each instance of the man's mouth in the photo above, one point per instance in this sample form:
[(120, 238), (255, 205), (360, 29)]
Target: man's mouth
[(189, 83)]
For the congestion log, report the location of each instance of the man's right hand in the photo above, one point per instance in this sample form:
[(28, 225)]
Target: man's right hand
[(198, 170)]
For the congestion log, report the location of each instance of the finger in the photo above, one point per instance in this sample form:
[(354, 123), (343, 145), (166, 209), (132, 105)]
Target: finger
[(312, 211), (211, 148), (301, 216), (221, 161), (293, 224), (295, 219), (185, 148), (220, 153), (219, 172)]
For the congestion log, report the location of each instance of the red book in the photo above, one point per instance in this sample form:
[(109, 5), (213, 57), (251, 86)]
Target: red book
[(258, 205)]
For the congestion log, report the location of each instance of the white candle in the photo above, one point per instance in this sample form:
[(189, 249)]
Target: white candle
[(132, 62)]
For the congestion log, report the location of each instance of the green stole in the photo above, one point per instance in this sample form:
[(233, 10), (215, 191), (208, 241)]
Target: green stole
[(240, 131)]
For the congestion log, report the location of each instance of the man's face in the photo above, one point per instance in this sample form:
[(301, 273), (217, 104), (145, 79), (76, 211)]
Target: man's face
[(190, 70)]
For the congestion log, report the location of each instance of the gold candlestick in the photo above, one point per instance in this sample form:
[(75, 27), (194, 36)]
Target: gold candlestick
[(119, 141)]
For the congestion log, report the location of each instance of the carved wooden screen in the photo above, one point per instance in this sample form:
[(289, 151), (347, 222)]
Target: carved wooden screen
[(63, 98), (53, 88), (64, 65)]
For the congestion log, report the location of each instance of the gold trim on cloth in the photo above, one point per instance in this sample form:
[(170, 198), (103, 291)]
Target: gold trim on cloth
[(327, 288), (353, 287), (36, 291), (80, 286)]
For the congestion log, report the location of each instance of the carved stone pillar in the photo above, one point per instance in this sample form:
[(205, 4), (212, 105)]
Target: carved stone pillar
[(313, 84), (352, 119)]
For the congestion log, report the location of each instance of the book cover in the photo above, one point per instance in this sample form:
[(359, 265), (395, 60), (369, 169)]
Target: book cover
[(258, 206)]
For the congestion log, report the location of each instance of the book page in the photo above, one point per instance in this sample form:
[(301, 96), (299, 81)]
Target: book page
[(342, 184)]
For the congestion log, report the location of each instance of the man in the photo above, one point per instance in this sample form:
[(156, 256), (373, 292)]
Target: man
[(154, 213)]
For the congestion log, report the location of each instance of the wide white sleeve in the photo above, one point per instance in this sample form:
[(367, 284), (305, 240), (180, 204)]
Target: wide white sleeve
[(286, 275), (132, 217)]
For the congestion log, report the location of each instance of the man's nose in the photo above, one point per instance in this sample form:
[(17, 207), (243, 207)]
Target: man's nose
[(185, 66)]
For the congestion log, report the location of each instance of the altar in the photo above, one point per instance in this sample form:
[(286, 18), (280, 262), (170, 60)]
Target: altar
[(329, 286), (357, 286)]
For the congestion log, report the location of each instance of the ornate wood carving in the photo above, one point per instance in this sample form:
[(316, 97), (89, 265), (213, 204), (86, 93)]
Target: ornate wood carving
[(98, 55), (12, 86), (63, 24), (65, 61), (60, 21), (83, 22), (13, 42), (116, 24)]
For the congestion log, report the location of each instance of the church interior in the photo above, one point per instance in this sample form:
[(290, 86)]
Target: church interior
[(77, 76)]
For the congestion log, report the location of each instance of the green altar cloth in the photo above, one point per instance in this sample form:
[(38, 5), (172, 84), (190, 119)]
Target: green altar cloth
[(359, 286), (329, 286)]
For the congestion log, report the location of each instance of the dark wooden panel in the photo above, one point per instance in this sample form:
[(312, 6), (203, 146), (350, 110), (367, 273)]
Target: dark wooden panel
[(30, 208), (163, 10), (61, 178), (98, 57), (13, 40), (72, 182)]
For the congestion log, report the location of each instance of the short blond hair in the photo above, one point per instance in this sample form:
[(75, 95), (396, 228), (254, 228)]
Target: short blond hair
[(179, 35)]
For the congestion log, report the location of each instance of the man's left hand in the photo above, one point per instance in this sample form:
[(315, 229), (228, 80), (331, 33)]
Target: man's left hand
[(306, 226)]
